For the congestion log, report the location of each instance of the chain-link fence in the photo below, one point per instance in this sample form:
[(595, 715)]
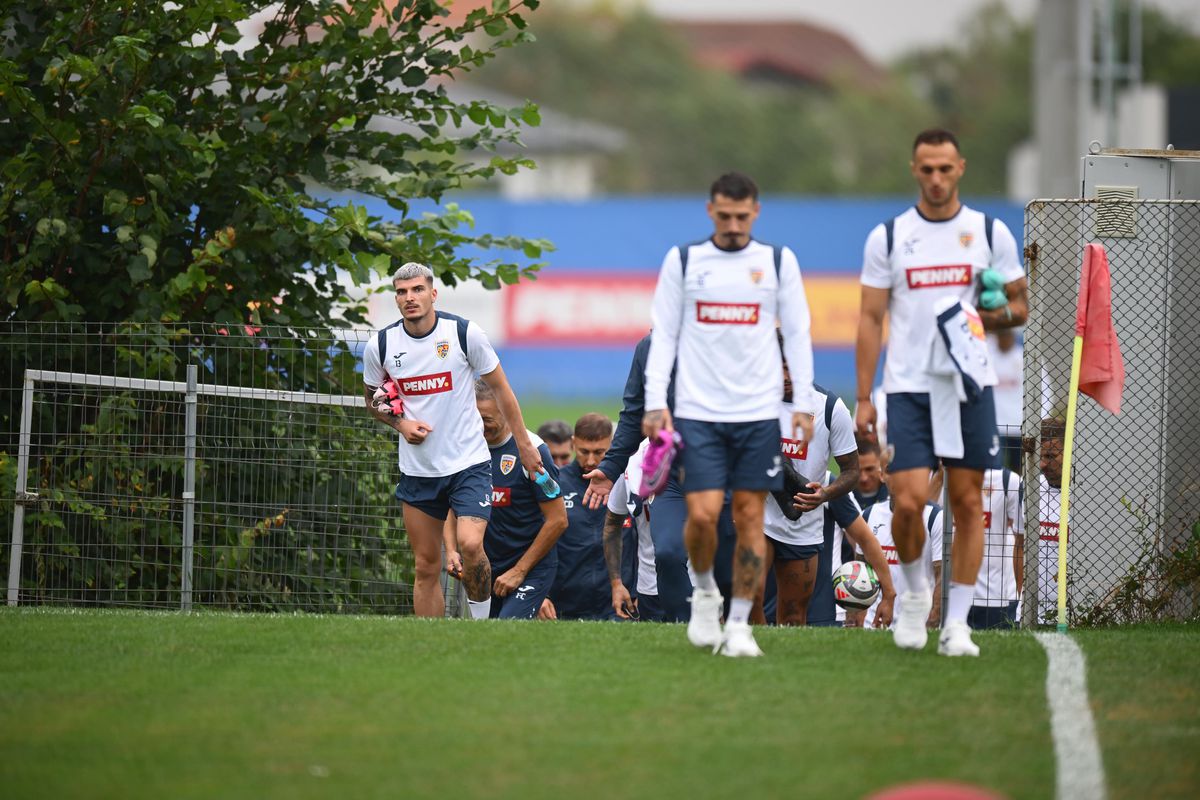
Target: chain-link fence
[(1135, 497), (291, 507)]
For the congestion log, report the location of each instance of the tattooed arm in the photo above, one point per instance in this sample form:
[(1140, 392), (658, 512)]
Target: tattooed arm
[(621, 601)]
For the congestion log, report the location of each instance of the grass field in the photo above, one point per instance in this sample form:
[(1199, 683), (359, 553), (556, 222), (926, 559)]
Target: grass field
[(538, 410), (159, 705)]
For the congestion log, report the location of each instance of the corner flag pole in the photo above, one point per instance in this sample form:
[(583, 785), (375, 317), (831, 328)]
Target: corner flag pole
[(1064, 509)]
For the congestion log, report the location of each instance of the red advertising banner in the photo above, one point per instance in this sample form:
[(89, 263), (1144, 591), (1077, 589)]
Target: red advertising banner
[(613, 308)]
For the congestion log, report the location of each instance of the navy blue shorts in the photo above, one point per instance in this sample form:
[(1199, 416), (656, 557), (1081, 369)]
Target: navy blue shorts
[(524, 602), (650, 609), (795, 552), (468, 492), (910, 429), (730, 455)]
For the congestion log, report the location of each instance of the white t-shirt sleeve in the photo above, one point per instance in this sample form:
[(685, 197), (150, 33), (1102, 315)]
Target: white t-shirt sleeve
[(618, 498), (1012, 504), (480, 353), (935, 538), (373, 372), (1005, 258), (796, 324), (841, 430), (877, 266), (666, 315)]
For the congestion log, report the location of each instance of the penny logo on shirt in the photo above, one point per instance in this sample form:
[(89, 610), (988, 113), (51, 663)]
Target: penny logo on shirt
[(507, 463), (934, 277), (727, 313)]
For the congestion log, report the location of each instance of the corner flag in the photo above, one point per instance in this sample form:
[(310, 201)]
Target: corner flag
[(1101, 370), (1096, 369)]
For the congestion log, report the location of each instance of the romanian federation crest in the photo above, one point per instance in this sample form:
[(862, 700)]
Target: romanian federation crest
[(443, 348), (756, 275), (507, 463), (965, 238)]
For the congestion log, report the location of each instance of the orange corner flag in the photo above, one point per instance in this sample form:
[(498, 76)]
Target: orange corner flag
[(1102, 371)]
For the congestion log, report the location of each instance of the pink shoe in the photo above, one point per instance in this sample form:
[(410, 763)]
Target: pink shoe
[(387, 399), (656, 463)]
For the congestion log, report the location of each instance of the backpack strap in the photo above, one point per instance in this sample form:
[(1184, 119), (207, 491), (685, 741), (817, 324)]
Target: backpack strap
[(933, 515), (683, 255), (830, 403)]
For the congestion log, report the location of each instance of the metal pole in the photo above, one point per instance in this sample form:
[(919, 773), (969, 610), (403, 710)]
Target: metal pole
[(22, 496), (947, 546), (1135, 43), (189, 488), (1108, 71)]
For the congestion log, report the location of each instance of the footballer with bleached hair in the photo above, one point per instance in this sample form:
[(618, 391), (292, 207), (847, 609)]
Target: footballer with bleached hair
[(430, 359)]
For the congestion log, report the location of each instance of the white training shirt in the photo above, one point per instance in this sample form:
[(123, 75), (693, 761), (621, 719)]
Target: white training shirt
[(1010, 370), (437, 380), (879, 520), (621, 502), (839, 536), (996, 584), (811, 461), (1049, 508), (716, 327), (931, 260)]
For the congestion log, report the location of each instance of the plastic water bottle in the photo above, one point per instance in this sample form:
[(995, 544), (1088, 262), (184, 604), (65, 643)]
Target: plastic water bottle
[(549, 486)]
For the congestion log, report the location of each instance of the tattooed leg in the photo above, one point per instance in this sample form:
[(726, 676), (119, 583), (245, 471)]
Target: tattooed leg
[(477, 571), (750, 555), (795, 580)]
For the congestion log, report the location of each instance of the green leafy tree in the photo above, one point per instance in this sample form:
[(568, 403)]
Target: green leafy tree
[(689, 122), (155, 164)]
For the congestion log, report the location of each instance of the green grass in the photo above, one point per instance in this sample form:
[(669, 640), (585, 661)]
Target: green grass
[(537, 410), (132, 705), (1144, 684)]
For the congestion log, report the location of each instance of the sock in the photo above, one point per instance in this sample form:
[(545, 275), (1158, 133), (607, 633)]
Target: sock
[(914, 575), (739, 611), (705, 581), (959, 604), (480, 609)]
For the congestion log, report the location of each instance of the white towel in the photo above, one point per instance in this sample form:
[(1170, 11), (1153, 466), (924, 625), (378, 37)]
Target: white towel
[(958, 367)]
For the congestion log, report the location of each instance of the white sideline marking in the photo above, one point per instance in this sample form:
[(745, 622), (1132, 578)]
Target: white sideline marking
[(1080, 770)]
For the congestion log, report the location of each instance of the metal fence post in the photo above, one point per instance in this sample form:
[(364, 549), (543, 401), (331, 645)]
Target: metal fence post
[(22, 496), (947, 547), (189, 488)]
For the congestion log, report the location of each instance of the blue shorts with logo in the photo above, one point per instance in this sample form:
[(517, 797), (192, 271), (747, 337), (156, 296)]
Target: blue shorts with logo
[(795, 552), (730, 455), (468, 492), (524, 601), (910, 430)]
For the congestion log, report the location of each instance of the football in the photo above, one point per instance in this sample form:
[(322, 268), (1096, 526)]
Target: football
[(855, 585)]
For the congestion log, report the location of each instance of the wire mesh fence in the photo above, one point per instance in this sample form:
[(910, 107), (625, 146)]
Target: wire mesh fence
[(292, 507), (1135, 496)]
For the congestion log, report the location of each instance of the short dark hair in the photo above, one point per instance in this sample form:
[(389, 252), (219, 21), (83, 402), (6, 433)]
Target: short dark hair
[(935, 136), (868, 447), (483, 391), (1053, 428), (592, 427), (735, 186), (556, 431)]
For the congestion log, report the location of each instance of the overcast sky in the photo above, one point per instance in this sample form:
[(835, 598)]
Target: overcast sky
[(883, 29)]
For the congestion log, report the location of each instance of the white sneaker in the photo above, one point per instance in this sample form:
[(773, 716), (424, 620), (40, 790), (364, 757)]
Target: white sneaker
[(704, 628), (956, 640), (738, 641), (910, 632)]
